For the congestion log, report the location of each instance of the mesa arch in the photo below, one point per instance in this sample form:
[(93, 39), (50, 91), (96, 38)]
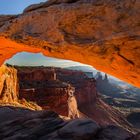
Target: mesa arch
[(101, 33)]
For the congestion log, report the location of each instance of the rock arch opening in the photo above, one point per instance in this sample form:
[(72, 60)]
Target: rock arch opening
[(48, 85), (104, 34), (43, 83)]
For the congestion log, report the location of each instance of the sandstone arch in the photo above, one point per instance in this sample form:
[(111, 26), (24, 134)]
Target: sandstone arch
[(102, 33)]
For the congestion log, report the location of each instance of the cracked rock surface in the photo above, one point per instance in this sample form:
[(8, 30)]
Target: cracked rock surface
[(102, 33), (47, 125)]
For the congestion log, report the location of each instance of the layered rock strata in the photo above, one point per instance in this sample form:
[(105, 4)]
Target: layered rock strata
[(102, 33), (67, 92)]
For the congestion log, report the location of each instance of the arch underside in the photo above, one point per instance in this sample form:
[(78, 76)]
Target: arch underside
[(104, 34)]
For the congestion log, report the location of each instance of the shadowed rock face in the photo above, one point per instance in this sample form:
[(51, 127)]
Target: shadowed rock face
[(102, 33), (47, 125)]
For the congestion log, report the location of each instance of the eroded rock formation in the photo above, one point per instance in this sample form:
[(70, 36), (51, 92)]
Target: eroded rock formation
[(40, 85), (67, 92), (37, 86), (88, 99), (102, 33), (8, 84), (54, 94)]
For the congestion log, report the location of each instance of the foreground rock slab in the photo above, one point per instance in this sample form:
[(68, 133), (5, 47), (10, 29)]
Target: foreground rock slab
[(47, 125)]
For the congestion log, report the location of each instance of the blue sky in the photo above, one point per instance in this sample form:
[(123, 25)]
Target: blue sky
[(17, 7), (32, 59)]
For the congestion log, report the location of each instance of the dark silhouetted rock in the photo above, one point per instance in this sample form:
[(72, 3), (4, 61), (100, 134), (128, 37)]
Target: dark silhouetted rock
[(47, 125)]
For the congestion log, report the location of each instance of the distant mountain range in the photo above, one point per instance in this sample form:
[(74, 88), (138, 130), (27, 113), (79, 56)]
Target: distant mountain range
[(82, 68), (112, 79)]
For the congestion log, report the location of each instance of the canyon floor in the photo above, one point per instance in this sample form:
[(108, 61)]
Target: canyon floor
[(53, 103)]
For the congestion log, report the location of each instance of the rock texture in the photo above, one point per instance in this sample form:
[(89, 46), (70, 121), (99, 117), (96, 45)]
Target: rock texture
[(40, 85), (42, 125), (137, 137), (67, 92), (102, 33), (55, 94), (78, 99), (88, 99), (8, 84)]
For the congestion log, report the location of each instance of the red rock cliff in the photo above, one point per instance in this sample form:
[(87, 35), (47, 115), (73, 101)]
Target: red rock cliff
[(89, 102), (8, 84), (69, 93), (40, 85)]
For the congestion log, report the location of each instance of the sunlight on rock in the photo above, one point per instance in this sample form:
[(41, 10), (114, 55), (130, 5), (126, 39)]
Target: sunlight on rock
[(57, 62)]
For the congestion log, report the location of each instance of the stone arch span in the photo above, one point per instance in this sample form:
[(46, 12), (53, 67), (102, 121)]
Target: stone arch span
[(104, 34)]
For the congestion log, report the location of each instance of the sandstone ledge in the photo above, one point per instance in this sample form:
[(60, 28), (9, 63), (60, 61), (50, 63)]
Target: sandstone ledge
[(103, 33)]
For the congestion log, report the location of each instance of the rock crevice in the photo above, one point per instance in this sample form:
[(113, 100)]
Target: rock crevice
[(87, 28)]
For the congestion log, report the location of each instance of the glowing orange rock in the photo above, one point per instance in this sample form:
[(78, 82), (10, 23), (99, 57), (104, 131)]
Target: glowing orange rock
[(103, 33)]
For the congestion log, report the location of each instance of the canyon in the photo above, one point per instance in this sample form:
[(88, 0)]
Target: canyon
[(30, 95), (126, 98), (66, 92), (51, 103)]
